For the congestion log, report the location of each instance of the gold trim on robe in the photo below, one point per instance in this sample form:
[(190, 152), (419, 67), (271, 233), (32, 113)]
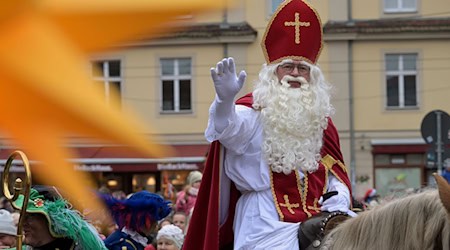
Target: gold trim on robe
[(296, 199)]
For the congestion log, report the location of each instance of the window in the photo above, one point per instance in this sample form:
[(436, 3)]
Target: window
[(145, 181), (388, 160), (415, 159), (176, 84), (273, 5), (382, 159), (401, 80), (398, 159), (397, 172), (396, 6), (108, 75), (395, 181)]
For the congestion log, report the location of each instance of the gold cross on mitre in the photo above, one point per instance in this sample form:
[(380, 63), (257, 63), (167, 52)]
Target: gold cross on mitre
[(288, 205), (297, 24)]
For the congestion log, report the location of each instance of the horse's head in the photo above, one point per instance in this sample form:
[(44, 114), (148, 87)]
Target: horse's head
[(444, 191)]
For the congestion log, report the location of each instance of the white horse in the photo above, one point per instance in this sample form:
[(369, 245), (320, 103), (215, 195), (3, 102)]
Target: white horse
[(419, 221)]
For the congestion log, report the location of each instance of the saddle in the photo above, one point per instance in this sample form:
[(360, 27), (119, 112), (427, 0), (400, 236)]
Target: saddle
[(313, 230)]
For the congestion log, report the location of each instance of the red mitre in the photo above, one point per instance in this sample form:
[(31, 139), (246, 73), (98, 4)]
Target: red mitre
[(294, 32)]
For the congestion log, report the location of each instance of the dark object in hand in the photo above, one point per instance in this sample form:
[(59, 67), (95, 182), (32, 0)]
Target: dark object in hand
[(328, 195)]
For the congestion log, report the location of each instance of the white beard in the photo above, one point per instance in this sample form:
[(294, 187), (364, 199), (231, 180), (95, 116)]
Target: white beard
[(293, 121)]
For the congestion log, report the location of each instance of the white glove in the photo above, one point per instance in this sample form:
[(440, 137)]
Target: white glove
[(226, 82), (335, 203), (227, 86)]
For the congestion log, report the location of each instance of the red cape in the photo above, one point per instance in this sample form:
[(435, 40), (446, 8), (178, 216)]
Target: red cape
[(204, 231)]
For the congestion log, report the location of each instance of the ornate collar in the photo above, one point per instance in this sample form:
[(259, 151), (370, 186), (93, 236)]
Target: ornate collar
[(136, 236)]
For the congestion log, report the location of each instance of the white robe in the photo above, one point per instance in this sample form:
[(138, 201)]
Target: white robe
[(256, 221)]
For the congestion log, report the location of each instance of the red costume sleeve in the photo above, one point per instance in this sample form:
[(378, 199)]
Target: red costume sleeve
[(332, 147), (204, 231)]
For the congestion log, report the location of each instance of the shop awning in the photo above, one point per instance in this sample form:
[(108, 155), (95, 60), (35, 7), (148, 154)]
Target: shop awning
[(124, 159), (399, 146)]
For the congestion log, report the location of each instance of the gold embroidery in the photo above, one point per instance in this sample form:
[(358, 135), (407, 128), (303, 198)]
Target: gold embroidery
[(342, 166), (297, 24), (288, 205), (275, 197), (328, 161), (325, 186), (131, 243), (304, 196), (337, 176), (315, 207), (300, 185)]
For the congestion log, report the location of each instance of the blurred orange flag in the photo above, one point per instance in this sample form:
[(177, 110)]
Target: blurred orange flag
[(46, 92)]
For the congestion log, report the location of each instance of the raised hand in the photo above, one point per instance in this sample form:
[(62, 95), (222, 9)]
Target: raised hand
[(226, 83)]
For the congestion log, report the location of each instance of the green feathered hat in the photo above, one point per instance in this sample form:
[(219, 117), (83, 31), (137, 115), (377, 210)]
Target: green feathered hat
[(63, 222)]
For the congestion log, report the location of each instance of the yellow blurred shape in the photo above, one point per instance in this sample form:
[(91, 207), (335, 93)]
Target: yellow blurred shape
[(46, 92)]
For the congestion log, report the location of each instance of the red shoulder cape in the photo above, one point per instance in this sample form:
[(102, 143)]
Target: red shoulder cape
[(204, 230)]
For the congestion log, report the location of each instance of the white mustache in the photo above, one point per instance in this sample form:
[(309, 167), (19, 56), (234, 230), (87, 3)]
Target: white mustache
[(288, 78)]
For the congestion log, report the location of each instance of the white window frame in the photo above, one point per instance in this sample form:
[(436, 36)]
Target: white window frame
[(401, 73), (106, 78), (270, 9), (400, 7), (176, 78)]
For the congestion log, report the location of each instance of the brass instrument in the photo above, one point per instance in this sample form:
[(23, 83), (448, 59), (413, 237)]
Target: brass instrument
[(18, 188)]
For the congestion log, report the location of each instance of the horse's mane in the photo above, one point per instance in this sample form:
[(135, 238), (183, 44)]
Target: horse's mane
[(418, 221)]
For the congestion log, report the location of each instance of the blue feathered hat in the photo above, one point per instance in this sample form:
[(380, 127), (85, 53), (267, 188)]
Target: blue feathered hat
[(139, 211)]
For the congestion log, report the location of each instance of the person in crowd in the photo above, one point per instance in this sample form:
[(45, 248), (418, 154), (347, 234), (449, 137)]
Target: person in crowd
[(5, 204), (169, 192), (104, 189), (16, 216), (275, 160), (446, 173), (179, 219), (101, 220), (50, 223), (8, 230), (137, 218), (187, 197), (170, 237), (188, 220), (161, 224), (98, 226), (371, 198), (119, 195), (164, 222)]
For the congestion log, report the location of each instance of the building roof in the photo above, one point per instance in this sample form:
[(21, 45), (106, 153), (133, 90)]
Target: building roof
[(393, 25), (211, 33), (213, 30)]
